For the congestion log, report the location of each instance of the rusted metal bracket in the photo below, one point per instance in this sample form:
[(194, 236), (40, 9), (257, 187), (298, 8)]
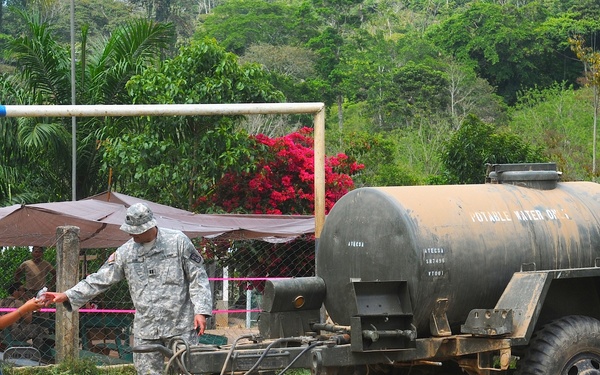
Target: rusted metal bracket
[(438, 323), (488, 323), (487, 362)]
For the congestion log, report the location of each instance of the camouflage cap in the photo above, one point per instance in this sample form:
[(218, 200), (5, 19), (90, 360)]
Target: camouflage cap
[(139, 219)]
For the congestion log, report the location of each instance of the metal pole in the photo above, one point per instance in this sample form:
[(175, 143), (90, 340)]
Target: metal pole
[(157, 109), (73, 102), (248, 308), (318, 109), (319, 124)]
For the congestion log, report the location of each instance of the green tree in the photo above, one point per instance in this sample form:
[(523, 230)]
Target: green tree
[(591, 62), (238, 24), (291, 69), (470, 94), (369, 65), (589, 9), (418, 89), (296, 62), (328, 48), (401, 79), (508, 45), (380, 154), (100, 17), (275, 35), (342, 18), (340, 14), (557, 120), (176, 159), (476, 144), (39, 148)]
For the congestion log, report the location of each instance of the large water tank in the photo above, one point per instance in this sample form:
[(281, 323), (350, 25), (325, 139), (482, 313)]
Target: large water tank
[(456, 242)]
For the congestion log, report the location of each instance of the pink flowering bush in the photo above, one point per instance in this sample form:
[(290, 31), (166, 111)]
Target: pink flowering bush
[(283, 181)]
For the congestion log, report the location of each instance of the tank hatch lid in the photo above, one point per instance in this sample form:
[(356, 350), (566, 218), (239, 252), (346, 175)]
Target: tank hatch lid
[(543, 176)]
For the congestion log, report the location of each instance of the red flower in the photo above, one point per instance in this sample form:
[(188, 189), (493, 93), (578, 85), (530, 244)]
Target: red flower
[(284, 178)]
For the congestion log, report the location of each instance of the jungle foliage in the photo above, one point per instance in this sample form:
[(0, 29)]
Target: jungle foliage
[(418, 92)]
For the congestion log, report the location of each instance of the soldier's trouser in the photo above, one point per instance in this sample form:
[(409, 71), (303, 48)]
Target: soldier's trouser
[(154, 363)]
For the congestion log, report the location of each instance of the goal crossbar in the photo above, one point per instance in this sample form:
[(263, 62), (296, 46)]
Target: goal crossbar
[(317, 109), (158, 109)]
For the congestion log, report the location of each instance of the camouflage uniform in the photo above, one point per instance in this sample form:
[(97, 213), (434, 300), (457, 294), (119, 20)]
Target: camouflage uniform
[(168, 286)]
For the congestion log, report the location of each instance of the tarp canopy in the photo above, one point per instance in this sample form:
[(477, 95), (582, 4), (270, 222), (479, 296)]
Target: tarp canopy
[(99, 218)]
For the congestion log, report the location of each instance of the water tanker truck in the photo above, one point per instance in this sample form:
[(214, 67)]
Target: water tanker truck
[(496, 278)]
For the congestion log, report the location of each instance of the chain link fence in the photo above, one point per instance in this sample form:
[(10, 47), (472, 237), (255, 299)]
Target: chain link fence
[(237, 270)]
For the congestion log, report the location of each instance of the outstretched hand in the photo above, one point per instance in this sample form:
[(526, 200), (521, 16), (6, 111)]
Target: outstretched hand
[(55, 297), (32, 305)]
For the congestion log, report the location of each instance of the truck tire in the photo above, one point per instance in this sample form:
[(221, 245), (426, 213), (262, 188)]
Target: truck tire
[(566, 346)]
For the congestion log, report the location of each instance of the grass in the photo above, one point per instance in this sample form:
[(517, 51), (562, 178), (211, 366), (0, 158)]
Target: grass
[(70, 367), (88, 367)]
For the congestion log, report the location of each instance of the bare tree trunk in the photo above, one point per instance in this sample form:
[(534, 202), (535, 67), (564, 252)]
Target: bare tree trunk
[(340, 100)]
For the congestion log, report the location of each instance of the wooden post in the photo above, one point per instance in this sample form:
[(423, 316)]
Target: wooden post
[(67, 322)]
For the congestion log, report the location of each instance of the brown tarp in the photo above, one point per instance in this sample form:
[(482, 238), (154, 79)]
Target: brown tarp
[(99, 218)]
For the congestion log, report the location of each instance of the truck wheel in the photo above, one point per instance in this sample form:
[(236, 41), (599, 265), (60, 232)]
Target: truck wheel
[(566, 346)]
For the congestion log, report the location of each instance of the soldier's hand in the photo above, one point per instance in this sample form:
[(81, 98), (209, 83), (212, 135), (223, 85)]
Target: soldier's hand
[(54, 297), (200, 324)]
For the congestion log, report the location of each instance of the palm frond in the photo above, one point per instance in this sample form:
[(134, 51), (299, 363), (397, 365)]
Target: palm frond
[(141, 39), (43, 63), (39, 135), (129, 48)]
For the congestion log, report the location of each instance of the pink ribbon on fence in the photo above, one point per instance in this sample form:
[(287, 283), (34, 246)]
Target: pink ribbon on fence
[(246, 278), (113, 311)]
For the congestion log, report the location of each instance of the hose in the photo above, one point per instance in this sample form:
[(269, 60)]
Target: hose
[(264, 354), (251, 336), (176, 356)]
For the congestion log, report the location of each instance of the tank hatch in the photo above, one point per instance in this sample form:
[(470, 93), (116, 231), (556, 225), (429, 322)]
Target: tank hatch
[(542, 176)]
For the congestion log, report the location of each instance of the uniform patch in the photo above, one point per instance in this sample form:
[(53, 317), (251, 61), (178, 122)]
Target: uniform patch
[(196, 257), (112, 258)]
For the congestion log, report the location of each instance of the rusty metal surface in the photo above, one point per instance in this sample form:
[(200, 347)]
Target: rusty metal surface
[(462, 243), (522, 296), (245, 357), (438, 324), (489, 322), (526, 290), (431, 349)]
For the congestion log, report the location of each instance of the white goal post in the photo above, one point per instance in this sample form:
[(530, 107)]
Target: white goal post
[(317, 109)]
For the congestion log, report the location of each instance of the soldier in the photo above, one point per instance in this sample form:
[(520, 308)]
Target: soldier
[(167, 282)]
